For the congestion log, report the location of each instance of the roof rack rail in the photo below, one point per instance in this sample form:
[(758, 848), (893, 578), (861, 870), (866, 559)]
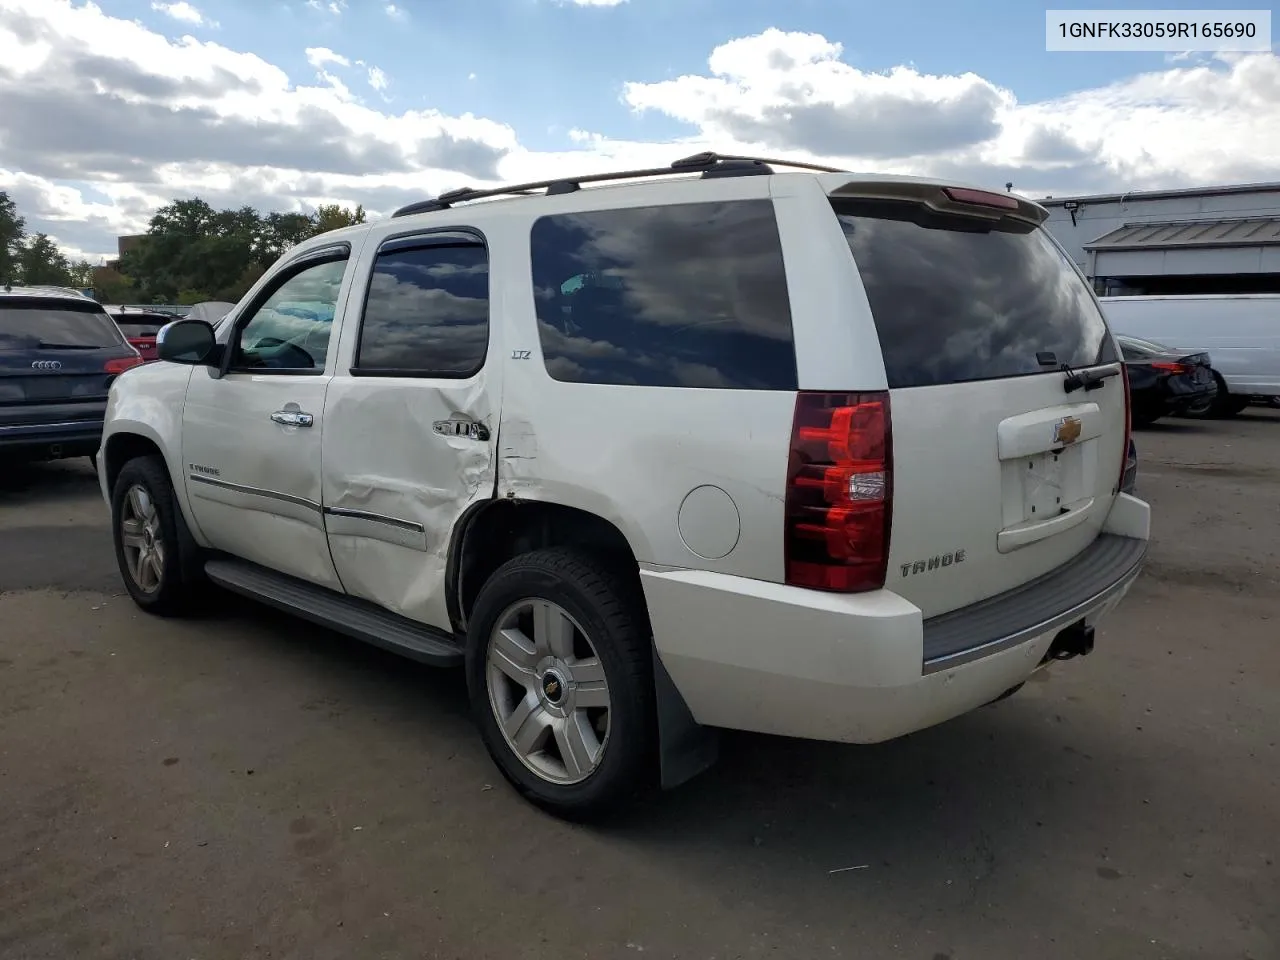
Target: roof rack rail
[(712, 165)]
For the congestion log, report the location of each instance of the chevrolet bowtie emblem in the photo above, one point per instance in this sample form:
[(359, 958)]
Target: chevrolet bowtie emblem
[(1067, 430)]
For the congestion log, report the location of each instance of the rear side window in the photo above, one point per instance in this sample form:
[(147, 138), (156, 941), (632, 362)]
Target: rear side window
[(686, 295), (427, 312), (957, 299), (38, 324)]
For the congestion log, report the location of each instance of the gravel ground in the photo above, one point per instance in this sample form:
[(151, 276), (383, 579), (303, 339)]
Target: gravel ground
[(246, 786)]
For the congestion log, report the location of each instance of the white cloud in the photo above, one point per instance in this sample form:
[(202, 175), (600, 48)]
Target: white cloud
[(319, 56), (183, 12), (142, 119), (396, 12), (1205, 122), (334, 7)]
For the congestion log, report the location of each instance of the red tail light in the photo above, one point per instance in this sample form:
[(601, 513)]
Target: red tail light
[(839, 492), (1172, 367), (121, 364)]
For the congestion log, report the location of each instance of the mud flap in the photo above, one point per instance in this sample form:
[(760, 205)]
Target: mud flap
[(685, 747)]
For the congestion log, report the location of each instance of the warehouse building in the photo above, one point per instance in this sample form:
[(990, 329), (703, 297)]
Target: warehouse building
[(1210, 240)]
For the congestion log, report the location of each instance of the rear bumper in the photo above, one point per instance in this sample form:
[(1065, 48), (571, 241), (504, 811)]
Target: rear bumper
[(64, 438), (766, 657), (1178, 394)]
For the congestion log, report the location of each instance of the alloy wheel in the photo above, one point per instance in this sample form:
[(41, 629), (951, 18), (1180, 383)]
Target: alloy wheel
[(140, 536), (548, 691)]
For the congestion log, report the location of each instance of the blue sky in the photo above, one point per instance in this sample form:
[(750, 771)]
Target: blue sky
[(112, 108), (550, 66)]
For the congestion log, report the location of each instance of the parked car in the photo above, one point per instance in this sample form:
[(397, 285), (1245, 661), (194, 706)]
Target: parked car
[(140, 328), (817, 454), (1242, 331), (59, 354), (1166, 382)]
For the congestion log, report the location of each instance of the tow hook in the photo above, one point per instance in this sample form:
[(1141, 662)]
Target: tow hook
[(1073, 641)]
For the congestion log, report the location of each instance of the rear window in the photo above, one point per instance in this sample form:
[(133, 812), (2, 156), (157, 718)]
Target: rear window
[(141, 326), (681, 295), (38, 324), (957, 299)]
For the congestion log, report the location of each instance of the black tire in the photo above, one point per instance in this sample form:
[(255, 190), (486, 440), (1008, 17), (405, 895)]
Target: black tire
[(1225, 405), (1144, 418), (609, 610), (181, 578)]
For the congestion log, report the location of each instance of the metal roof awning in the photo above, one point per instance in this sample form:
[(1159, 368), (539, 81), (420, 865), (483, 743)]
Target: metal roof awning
[(1190, 233), (1188, 247)]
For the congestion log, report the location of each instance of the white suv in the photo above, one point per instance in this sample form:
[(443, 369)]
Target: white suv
[(817, 454)]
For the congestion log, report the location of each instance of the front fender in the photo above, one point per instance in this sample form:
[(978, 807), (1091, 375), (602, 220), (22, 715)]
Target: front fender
[(147, 402)]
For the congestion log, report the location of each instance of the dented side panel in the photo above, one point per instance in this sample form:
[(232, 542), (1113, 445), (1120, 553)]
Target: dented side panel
[(403, 459), (394, 487)]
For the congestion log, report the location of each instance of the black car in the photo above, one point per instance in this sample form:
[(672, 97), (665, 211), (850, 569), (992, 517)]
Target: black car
[(1164, 381), (59, 353)]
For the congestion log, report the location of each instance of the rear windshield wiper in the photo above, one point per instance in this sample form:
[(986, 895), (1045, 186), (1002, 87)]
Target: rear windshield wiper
[(67, 346), (1076, 379)]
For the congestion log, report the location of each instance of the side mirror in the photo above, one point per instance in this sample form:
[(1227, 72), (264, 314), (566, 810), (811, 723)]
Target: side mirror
[(186, 341)]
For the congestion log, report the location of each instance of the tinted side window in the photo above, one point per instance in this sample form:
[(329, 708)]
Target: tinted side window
[(427, 312), (690, 295), (290, 329)]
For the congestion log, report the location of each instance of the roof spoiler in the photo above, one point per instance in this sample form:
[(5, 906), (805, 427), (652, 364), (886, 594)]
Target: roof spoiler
[(939, 195)]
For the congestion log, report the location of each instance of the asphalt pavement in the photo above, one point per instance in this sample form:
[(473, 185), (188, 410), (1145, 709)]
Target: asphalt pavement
[(248, 786)]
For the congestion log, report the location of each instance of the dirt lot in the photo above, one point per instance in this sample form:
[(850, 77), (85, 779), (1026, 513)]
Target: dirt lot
[(246, 786)]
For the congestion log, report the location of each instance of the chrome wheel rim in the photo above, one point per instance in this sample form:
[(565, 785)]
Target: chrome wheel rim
[(140, 536), (548, 691)]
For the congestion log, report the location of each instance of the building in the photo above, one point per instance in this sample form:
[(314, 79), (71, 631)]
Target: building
[(1210, 240), (123, 246)]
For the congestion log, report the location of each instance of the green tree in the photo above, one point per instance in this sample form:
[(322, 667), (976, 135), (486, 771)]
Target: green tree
[(112, 286), (12, 231), (41, 263), (280, 231), (333, 216), (248, 277), (189, 298), (192, 250), (191, 247), (80, 274)]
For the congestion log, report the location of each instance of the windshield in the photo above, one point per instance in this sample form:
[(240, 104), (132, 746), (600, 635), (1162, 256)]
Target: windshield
[(958, 298), (39, 324)]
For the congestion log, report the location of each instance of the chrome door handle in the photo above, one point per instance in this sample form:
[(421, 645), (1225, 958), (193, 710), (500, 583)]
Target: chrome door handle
[(293, 418)]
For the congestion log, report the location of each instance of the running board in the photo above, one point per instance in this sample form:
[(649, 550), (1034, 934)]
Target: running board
[(354, 617)]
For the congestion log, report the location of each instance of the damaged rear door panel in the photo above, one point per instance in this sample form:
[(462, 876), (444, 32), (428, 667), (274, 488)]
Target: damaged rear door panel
[(412, 416)]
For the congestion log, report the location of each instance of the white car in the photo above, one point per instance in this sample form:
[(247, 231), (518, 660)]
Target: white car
[(816, 454), (1241, 331)]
